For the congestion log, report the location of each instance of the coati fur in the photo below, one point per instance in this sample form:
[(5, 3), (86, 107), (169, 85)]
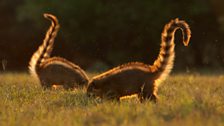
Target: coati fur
[(55, 70), (138, 78)]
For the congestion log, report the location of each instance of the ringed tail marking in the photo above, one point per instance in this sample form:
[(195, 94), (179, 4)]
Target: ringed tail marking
[(44, 50), (164, 63)]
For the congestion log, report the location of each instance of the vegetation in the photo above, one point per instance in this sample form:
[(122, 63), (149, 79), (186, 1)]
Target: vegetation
[(185, 99)]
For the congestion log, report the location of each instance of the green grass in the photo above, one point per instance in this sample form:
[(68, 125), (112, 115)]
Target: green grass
[(185, 99)]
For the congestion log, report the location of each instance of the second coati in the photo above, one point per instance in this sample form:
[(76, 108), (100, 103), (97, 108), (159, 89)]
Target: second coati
[(139, 78), (55, 70)]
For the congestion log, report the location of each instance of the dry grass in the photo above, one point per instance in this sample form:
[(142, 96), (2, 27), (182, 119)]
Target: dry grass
[(185, 99)]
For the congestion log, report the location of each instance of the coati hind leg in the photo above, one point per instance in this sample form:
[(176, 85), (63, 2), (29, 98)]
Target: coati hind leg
[(150, 92), (140, 94)]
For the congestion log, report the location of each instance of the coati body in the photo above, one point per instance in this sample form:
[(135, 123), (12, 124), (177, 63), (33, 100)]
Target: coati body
[(139, 78), (55, 70)]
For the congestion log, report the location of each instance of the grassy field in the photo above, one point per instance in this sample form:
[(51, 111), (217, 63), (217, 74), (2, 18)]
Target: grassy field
[(185, 100)]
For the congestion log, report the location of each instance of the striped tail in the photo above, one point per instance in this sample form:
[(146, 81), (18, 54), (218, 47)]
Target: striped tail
[(164, 63), (44, 50)]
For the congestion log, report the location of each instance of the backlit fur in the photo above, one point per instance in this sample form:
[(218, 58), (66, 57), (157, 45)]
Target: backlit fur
[(55, 70), (138, 78)]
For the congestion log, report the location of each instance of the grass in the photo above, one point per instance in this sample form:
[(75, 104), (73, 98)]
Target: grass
[(185, 99)]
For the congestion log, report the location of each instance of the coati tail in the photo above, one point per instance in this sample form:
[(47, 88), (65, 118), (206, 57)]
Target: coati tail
[(44, 50), (164, 63)]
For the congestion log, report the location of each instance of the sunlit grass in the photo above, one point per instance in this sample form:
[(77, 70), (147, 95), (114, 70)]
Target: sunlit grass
[(185, 99)]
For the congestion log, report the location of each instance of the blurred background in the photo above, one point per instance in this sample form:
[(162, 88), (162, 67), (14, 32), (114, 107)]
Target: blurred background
[(101, 34)]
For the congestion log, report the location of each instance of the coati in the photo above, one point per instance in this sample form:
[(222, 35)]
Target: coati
[(55, 70), (138, 78)]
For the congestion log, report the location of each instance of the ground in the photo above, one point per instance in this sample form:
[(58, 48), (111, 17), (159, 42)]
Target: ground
[(185, 99)]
